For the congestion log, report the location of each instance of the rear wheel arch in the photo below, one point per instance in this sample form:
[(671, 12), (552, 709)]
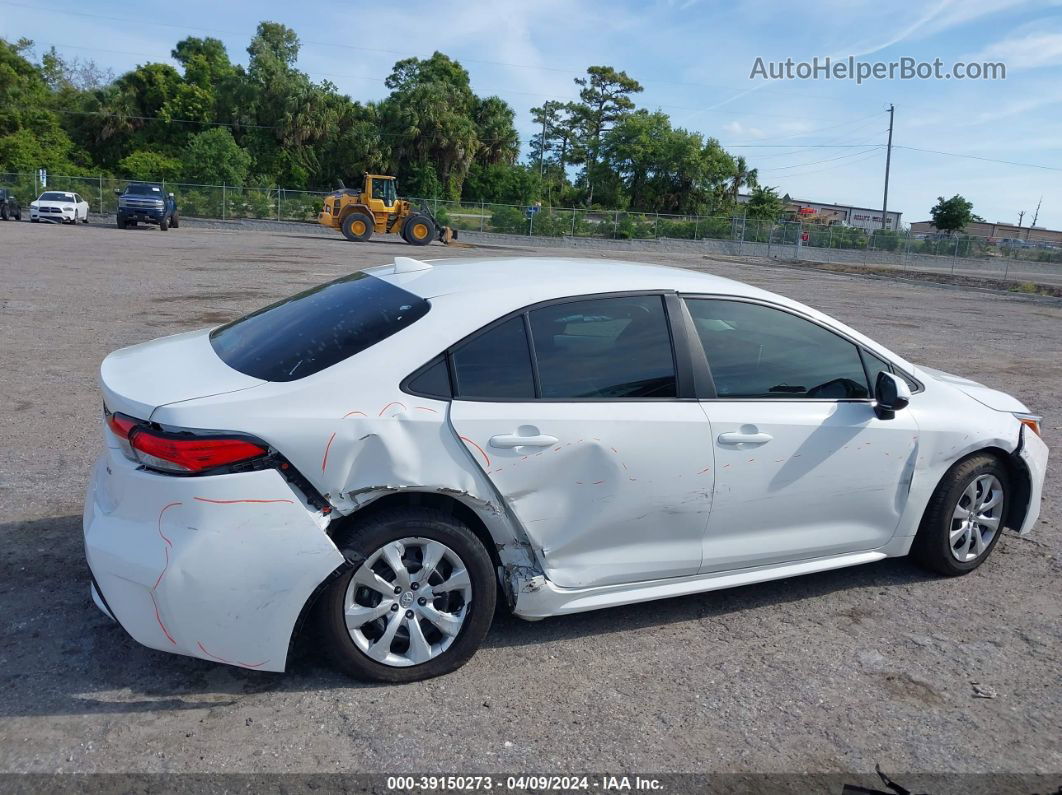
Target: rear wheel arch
[(428, 501)]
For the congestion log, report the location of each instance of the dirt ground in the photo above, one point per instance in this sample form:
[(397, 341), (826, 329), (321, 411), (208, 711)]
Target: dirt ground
[(829, 672)]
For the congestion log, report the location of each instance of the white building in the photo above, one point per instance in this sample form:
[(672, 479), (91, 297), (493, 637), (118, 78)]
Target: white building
[(863, 217)]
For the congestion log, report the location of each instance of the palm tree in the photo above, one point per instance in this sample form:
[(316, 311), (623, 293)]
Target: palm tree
[(742, 175)]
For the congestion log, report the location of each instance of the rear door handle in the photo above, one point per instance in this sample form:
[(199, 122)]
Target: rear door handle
[(514, 440), (744, 438)]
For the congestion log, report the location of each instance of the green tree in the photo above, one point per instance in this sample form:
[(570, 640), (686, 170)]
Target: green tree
[(951, 215), (31, 134), (764, 204), (741, 176), (604, 98), (150, 166), (214, 158)]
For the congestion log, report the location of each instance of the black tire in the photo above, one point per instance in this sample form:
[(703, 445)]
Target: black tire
[(18, 214), (361, 540), (932, 545), (418, 230), (164, 223), (84, 220), (120, 222), (175, 222), (3, 213), (357, 227)]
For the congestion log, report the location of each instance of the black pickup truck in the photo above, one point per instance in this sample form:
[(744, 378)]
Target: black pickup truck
[(148, 203), (9, 206)]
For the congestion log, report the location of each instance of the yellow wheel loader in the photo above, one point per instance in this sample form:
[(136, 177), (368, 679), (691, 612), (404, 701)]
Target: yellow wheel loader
[(358, 213)]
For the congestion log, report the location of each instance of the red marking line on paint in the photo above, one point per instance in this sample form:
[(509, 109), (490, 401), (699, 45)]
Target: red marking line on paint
[(425, 408), (466, 440), (706, 469), (233, 502), (202, 648), (158, 618), (328, 446), (392, 403), (352, 413), (598, 482), (163, 572)]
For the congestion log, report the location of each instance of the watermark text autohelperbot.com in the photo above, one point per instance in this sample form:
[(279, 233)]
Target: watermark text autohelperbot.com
[(849, 68)]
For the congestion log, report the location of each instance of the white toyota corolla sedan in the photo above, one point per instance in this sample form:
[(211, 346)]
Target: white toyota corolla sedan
[(390, 453), (59, 207)]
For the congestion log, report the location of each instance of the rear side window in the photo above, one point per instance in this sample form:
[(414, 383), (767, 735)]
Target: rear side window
[(495, 364), (315, 329), (604, 348)]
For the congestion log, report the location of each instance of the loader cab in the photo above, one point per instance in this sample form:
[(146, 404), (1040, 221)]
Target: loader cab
[(381, 193)]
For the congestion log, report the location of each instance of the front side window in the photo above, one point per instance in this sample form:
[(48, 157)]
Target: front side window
[(317, 328), (757, 351), (604, 348)]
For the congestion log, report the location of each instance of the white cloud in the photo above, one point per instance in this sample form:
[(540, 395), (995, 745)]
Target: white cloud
[(1029, 50)]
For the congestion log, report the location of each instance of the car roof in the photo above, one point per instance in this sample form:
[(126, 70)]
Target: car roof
[(531, 279), (489, 286)]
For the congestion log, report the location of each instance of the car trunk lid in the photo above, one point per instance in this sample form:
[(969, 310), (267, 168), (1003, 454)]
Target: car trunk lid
[(138, 379)]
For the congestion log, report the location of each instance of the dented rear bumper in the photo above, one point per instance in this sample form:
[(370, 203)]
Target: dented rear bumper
[(217, 567)]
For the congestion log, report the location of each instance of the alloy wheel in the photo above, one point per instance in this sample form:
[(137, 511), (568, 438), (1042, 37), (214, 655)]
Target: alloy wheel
[(407, 602), (976, 518)]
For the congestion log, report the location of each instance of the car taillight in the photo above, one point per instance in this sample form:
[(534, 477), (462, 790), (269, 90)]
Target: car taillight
[(188, 453), (182, 453)]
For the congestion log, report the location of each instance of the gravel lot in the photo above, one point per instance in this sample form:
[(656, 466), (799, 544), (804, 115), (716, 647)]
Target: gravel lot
[(826, 673)]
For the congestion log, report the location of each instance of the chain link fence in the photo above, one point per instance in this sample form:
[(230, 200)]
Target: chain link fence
[(738, 235)]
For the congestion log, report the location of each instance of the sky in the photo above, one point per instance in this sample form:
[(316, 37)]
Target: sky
[(817, 139)]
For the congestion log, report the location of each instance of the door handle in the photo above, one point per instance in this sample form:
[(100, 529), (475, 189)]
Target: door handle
[(744, 438), (514, 440)]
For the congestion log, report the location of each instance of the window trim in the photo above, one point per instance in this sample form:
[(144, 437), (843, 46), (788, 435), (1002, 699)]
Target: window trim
[(701, 360), (678, 335)]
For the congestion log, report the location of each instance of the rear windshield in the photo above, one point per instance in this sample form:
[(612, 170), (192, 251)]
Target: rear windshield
[(317, 328)]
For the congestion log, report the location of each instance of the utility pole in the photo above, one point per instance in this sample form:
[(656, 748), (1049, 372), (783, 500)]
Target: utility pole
[(888, 162), (1020, 216), (542, 145)]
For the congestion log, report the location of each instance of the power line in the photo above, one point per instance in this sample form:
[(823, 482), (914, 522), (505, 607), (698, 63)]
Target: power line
[(827, 160), (977, 157)]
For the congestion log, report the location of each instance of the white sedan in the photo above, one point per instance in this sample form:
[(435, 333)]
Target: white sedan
[(59, 207), (390, 452)]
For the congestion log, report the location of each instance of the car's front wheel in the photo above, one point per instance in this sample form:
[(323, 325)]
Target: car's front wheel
[(417, 602), (964, 519)]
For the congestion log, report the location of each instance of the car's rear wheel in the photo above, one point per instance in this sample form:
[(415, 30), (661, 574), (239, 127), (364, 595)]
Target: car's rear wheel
[(417, 602), (3, 213), (164, 223), (176, 222), (964, 519)]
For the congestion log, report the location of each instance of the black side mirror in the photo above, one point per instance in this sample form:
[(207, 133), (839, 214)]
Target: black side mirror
[(892, 394)]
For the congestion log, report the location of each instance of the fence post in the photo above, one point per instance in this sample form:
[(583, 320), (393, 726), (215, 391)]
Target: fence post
[(615, 223), (482, 215), (741, 243), (656, 227), (531, 224), (696, 226), (101, 193), (278, 202), (573, 222), (954, 256)]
